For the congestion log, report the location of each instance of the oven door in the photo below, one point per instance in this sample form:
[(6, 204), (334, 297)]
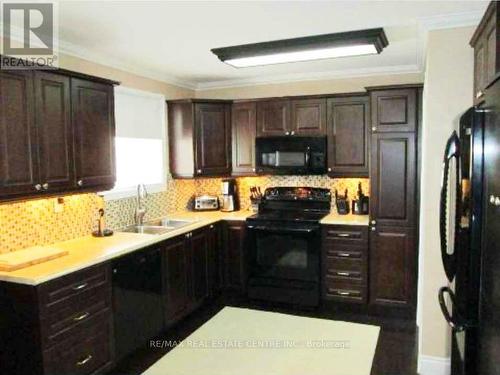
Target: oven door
[(279, 251)]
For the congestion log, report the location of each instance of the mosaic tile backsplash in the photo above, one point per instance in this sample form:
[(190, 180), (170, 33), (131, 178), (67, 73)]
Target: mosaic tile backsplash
[(34, 222)]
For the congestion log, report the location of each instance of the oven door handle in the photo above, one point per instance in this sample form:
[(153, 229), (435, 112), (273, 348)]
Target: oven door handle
[(282, 229)]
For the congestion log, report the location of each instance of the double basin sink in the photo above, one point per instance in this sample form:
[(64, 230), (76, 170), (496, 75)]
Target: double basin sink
[(159, 226)]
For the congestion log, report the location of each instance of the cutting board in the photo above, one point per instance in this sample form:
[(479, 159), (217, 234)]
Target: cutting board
[(24, 258)]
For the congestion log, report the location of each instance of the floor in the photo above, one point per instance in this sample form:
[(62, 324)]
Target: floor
[(396, 352)]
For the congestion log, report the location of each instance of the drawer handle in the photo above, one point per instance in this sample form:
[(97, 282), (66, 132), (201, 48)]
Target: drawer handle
[(80, 287), (344, 293), (84, 361), (343, 235), (342, 273), (344, 255), (81, 317)]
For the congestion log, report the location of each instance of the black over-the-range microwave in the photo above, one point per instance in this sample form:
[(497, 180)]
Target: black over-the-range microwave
[(291, 155)]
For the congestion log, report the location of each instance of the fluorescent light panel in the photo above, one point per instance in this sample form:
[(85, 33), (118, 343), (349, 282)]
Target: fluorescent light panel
[(327, 46), (315, 54)]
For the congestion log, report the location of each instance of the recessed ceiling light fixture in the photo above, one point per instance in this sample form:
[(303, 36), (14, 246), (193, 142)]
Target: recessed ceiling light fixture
[(327, 46)]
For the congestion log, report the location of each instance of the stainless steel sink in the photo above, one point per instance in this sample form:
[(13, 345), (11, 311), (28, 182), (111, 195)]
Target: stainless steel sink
[(159, 226), (145, 229), (169, 223)]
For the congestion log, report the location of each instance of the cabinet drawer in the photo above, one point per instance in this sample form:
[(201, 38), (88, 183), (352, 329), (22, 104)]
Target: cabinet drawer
[(347, 270), (58, 327), (345, 234), (88, 354), (345, 252), (344, 292), (69, 290)]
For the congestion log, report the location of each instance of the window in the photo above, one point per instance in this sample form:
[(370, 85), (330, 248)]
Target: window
[(140, 142)]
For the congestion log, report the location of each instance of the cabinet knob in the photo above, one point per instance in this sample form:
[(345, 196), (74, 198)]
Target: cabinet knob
[(287, 133), (479, 94), (79, 183), (198, 171), (374, 222), (45, 186), (292, 132), (329, 169), (212, 226), (38, 187), (497, 201), (253, 169), (373, 229), (374, 129)]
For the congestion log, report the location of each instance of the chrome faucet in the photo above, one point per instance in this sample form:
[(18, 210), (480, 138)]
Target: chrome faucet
[(140, 209)]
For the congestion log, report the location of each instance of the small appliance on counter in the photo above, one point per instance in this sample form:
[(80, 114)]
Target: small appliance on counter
[(342, 203), (229, 198), (361, 205), (206, 203), (101, 227)]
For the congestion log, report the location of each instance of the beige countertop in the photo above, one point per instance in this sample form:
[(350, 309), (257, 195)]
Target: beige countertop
[(335, 219), (88, 251)]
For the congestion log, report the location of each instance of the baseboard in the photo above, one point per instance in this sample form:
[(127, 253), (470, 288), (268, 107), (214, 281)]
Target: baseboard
[(428, 365)]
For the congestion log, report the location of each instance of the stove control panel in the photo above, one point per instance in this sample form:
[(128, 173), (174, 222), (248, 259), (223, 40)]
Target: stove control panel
[(298, 194)]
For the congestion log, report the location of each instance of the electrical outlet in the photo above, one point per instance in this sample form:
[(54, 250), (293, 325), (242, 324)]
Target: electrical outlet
[(58, 205)]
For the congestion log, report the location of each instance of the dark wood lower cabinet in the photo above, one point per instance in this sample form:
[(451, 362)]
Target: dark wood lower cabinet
[(393, 267), (199, 265), (234, 256)]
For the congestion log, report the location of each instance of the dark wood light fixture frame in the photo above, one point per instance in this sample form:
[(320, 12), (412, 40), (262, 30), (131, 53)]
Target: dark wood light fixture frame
[(376, 37)]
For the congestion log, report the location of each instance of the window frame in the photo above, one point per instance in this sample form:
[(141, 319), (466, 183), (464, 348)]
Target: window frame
[(128, 192)]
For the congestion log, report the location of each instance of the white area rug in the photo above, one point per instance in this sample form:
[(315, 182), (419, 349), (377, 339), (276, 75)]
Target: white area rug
[(250, 342)]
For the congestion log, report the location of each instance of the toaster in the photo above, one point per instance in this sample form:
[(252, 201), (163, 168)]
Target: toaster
[(206, 203)]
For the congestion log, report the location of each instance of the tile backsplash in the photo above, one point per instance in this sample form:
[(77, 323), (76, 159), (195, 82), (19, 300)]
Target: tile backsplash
[(35, 222)]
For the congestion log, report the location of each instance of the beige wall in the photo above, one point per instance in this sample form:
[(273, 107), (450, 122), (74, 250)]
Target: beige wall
[(127, 79), (331, 86), (448, 89)]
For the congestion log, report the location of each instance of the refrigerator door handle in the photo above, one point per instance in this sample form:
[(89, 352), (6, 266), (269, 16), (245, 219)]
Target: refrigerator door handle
[(456, 323), (452, 151)]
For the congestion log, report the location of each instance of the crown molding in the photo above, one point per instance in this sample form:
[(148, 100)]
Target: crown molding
[(311, 76), (449, 21)]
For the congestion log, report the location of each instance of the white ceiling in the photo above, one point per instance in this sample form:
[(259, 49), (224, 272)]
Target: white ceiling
[(171, 41)]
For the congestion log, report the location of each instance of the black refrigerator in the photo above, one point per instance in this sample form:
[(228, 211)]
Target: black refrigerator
[(470, 239)]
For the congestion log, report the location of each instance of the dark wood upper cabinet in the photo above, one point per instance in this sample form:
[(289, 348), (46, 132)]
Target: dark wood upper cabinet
[(18, 155), (485, 42), (273, 118), (393, 179), (213, 139), (308, 117), (55, 131), (199, 137), (394, 110), (244, 127), (392, 267), (348, 130), (94, 126)]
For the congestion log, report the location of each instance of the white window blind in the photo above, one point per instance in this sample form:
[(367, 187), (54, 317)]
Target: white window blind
[(140, 142)]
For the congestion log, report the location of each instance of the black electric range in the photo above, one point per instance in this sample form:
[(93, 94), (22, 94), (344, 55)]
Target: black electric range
[(284, 245)]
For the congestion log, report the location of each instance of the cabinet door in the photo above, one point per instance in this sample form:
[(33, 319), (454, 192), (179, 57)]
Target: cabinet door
[(18, 155), (94, 126), (309, 117), (394, 110), (273, 118), (234, 256), (214, 259), (393, 179), (243, 121), (199, 262), (392, 266), (55, 131), (176, 283), (213, 139), (491, 49), (479, 70), (348, 129)]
